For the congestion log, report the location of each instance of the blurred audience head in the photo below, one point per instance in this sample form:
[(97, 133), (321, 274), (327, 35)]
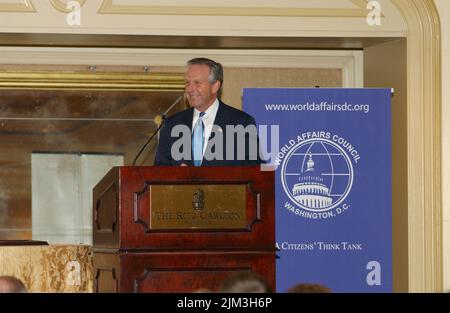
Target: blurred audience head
[(245, 282), (10, 284), (309, 288)]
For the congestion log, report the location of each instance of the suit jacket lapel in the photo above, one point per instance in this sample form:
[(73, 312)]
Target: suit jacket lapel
[(219, 121), (220, 116), (188, 122)]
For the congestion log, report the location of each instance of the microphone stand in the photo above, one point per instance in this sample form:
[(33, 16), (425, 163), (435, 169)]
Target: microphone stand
[(162, 118)]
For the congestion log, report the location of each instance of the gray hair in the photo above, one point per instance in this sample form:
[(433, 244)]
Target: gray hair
[(244, 282), (215, 69)]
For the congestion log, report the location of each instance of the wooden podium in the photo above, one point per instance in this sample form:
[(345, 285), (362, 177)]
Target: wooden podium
[(178, 229)]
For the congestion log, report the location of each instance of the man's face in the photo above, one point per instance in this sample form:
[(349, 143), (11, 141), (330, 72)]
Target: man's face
[(199, 91)]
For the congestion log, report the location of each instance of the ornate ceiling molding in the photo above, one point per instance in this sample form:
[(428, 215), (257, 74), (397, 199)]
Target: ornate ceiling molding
[(108, 7), (62, 7), (26, 6)]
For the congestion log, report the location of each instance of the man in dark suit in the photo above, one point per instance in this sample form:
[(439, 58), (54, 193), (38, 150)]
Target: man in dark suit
[(210, 133)]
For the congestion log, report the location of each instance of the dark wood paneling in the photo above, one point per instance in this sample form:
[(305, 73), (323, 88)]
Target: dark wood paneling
[(106, 211), (177, 272), (132, 180), (133, 258)]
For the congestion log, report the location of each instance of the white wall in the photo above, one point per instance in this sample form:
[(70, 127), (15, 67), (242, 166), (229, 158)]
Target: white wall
[(62, 195)]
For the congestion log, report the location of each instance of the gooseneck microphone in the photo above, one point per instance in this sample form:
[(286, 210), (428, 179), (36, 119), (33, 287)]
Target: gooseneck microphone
[(159, 120)]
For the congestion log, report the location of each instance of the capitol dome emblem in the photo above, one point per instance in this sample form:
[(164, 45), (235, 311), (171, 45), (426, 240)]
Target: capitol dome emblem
[(317, 174)]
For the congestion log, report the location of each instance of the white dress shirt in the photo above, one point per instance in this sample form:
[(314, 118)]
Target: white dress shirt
[(208, 120)]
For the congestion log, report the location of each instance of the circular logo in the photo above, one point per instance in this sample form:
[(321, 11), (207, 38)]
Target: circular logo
[(317, 174)]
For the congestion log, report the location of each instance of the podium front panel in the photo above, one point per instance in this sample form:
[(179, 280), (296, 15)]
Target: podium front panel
[(215, 208), (144, 272)]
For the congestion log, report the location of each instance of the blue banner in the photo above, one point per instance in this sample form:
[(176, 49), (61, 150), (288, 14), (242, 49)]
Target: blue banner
[(333, 184)]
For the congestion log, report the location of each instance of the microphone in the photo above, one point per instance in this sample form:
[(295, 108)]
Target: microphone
[(158, 120)]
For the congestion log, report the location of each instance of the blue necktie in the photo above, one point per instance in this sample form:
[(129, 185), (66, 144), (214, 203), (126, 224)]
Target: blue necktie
[(198, 138)]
